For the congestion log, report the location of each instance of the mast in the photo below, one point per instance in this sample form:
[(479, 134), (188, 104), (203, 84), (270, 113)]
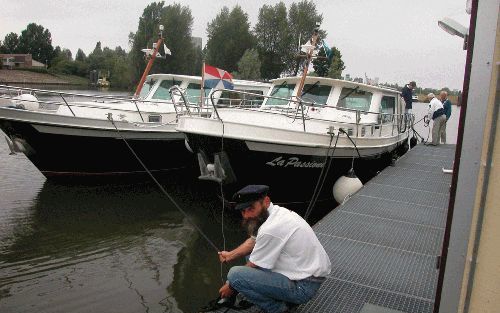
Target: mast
[(309, 57), (150, 63)]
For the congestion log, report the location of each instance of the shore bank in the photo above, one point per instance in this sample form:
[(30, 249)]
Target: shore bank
[(28, 77)]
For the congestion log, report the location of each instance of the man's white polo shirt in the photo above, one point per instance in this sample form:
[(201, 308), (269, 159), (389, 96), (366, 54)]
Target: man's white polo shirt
[(286, 244)]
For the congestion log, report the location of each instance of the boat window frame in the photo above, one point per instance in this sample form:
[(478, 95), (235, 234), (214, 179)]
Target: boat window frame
[(152, 82), (172, 79), (319, 85), (387, 116), (354, 90), (272, 93), (207, 91)]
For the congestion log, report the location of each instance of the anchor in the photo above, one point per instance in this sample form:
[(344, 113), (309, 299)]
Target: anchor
[(219, 171), (12, 148)]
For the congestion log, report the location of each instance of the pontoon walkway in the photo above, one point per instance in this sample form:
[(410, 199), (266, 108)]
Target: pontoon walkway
[(384, 242)]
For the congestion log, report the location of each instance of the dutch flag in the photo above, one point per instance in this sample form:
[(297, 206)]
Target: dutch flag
[(217, 78)]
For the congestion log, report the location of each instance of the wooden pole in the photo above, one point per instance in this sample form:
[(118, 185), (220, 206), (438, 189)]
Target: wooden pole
[(148, 68), (314, 40)]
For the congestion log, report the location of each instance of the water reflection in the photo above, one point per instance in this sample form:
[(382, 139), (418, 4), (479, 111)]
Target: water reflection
[(120, 248)]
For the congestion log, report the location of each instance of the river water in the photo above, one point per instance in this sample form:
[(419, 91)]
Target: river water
[(112, 248)]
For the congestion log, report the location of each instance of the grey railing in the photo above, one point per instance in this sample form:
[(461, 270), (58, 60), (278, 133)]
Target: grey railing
[(10, 92), (402, 121)]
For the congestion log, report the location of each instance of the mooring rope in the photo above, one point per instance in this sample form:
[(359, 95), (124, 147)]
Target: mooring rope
[(322, 176), (110, 118), (223, 199)]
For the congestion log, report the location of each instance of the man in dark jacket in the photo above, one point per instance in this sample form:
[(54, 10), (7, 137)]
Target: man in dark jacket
[(443, 96), (406, 93)]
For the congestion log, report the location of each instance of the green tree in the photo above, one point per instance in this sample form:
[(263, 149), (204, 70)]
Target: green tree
[(37, 41), (325, 67), (302, 19), (80, 56), (146, 34), (337, 65), (10, 43), (178, 22), (249, 65), (228, 38), (96, 59), (273, 39), (67, 54)]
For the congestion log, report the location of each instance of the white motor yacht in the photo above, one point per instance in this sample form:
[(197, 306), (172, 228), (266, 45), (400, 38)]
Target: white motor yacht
[(68, 135), (288, 140)]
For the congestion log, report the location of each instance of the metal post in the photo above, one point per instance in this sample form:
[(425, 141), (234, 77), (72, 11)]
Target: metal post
[(357, 122), (67, 105), (137, 107), (303, 119)]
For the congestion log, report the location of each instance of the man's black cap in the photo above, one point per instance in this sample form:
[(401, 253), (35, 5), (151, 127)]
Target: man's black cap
[(413, 84), (248, 195)]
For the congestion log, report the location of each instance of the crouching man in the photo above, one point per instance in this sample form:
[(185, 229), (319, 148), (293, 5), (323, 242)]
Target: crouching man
[(287, 263)]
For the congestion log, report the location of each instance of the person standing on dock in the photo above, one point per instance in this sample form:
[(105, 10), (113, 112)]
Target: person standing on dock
[(436, 113), (406, 93), (443, 96), (287, 263)]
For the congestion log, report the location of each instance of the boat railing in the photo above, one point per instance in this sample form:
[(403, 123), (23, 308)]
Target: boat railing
[(186, 104), (300, 108), (193, 105), (67, 99)]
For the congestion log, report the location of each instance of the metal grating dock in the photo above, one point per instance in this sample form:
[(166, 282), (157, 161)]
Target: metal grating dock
[(385, 240)]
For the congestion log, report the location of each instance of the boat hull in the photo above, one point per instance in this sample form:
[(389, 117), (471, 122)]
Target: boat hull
[(291, 176), (62, 151)]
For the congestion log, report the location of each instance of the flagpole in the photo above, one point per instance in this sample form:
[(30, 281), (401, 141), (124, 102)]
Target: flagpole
[(148, 68), (202, 91), (314, 40)]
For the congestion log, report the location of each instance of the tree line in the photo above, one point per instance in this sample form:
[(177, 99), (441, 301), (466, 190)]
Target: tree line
[(265, 51)]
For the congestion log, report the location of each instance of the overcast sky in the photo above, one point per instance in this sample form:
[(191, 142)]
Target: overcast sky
[(394, 40)]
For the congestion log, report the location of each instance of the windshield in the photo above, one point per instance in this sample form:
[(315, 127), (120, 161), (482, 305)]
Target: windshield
[(146, 87), (193, 92), (162, 91), (355, 99), (281, 91), (316, 93)]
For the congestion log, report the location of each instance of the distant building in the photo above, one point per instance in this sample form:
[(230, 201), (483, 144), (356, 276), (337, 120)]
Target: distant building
[(197, 42), (19, 61)]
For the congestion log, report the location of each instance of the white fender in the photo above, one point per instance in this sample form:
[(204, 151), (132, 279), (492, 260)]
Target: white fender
[(346, 186)]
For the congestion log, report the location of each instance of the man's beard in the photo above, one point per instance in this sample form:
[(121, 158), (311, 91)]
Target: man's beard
[(252, 225)]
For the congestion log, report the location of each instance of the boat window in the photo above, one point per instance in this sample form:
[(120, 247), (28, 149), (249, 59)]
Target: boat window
[(355, 99), (193, 92), (231, 98), (162, 91), (281, 91), (154, 118), (146, 87), (387, 105), (317, 93)]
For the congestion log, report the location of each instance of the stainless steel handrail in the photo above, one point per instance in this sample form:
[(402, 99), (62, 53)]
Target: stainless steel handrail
[(399, 117), (105, 99), (110, 99)]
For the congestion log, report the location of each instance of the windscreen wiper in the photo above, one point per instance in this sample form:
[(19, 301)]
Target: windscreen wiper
[(277, 88), (349, 93), (316, 84)]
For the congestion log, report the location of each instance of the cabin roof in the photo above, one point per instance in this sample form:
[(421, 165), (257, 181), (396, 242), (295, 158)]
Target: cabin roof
[(334, 82), (198, 79)]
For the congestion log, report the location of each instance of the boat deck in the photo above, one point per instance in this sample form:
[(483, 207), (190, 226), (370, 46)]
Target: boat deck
[(384, 242)]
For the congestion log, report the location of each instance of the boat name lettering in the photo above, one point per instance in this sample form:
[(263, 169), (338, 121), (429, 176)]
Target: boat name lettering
[(293, 161)]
